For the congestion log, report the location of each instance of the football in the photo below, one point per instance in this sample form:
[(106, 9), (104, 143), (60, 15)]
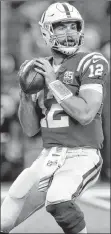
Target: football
[(32, 82)]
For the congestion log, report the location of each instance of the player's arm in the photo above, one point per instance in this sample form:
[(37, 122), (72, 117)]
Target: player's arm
[(83, 107), (86, 105), (28, 117)]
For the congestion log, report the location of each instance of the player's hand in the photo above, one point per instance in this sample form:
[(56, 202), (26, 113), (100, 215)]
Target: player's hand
[(44, 67)]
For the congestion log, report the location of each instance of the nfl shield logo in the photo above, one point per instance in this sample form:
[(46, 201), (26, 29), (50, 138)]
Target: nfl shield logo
[(68, 77)]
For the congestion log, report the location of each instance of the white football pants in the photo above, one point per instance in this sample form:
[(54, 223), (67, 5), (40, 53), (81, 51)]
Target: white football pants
[(80, 170)]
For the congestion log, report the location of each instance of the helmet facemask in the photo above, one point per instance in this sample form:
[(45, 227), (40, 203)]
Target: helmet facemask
[(68, 42)]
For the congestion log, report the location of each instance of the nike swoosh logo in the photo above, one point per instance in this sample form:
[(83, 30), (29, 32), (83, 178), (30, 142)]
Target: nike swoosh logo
[(96, 60)]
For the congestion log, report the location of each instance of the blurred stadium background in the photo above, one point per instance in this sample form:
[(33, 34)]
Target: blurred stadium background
[(21, 40)]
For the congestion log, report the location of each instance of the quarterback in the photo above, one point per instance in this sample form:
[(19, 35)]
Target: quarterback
[(67, 111)]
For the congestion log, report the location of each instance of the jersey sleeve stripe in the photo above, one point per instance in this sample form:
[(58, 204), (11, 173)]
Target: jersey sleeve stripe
[(86, 64), (96, 87), (85, 58), (100, 57)]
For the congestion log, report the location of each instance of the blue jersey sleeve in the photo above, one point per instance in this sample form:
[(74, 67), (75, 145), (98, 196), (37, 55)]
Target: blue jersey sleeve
[(95, 70)]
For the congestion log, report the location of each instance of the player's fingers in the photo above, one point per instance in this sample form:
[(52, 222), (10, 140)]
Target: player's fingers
[(39, 66), (29, 65), (43, 64), (44, 61), (40, 61), (39, 71)]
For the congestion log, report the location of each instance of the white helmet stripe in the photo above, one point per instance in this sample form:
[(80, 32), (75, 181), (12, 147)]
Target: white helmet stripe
[(85, 58)]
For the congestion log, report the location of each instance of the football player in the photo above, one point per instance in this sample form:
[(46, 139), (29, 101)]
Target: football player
[(68, 113)]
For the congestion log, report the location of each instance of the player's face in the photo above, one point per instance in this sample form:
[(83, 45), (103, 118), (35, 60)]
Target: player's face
[(66, 33)]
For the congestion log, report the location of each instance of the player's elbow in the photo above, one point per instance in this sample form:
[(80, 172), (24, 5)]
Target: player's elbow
[(31, 133), (86, 119)]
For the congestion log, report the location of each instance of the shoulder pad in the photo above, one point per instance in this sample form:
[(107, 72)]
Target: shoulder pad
[(93, 57)]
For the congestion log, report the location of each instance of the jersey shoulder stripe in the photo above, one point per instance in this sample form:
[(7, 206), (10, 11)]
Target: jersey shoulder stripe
[(85, 59), (95, 59)]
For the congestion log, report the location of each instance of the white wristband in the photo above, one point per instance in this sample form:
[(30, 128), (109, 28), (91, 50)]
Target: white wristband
[(60, 91)]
